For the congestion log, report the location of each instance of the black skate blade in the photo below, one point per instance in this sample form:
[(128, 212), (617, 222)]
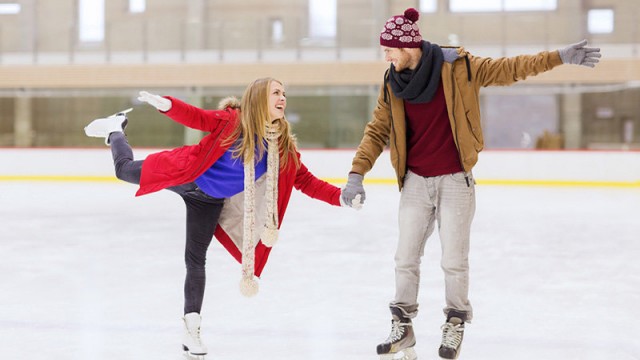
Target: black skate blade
[(188, 356)]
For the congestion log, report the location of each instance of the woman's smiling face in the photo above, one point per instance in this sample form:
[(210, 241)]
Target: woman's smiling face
[(277, 100)]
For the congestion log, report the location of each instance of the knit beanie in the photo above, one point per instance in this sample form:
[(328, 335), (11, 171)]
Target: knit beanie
[(402, 31)]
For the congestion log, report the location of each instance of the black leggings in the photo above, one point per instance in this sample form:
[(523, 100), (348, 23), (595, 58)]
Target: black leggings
[(203, 212)]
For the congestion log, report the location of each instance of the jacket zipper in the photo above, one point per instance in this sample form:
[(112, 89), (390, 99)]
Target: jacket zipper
[(387, 97), (455, 131)]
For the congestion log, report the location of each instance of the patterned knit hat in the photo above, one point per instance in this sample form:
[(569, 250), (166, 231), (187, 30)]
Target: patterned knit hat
[(402, 31)]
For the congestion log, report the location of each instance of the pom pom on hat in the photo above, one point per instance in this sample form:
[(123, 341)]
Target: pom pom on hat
[(412, 14), (401, 31)]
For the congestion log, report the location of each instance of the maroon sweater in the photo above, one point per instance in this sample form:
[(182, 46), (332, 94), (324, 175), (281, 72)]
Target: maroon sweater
[(431, 150)]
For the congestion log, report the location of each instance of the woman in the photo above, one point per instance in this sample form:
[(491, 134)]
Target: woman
[(236, 183)]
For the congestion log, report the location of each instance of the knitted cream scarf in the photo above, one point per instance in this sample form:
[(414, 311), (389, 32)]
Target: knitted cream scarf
[(248, 285)]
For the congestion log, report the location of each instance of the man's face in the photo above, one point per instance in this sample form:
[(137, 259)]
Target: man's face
[(397, 56)]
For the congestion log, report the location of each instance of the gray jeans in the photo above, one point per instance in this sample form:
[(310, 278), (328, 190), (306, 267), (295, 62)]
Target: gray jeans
[(450, 201)]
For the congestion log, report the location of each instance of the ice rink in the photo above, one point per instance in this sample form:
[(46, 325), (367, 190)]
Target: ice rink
[(90, 272)]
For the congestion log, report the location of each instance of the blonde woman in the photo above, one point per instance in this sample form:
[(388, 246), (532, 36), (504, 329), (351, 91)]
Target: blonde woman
[(236, 183)]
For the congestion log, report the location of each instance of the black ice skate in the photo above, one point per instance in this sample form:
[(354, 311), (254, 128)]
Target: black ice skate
[(399, 345), (452, 333)]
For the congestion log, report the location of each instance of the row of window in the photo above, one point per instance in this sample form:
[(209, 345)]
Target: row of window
[(135, 6), (323, 14), (491, 5), (600, 21)]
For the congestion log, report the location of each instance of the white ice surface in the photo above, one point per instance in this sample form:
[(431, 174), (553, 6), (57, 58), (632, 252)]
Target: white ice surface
[(87, 271)]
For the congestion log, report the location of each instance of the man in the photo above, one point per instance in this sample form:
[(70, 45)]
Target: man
[(428, 112)]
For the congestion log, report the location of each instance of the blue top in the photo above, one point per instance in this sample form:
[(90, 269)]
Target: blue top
[(225, 177)]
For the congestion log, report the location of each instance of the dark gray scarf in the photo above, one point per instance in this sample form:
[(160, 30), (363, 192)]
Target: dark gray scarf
[(419, 85)]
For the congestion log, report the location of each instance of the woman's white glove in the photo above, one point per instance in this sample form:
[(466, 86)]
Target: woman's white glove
[(356, 203), (157, 101)]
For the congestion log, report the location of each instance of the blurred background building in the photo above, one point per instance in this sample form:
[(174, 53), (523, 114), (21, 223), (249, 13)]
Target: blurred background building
[(66, 62)]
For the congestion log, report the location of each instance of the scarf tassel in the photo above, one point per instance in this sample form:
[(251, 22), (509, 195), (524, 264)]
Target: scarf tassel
[(269, 237), (249, 286)]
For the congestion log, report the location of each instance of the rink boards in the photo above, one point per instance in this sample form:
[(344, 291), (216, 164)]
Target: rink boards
[(497, 167)]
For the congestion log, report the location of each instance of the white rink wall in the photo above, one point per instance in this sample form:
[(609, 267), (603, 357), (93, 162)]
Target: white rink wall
[(591, 168)]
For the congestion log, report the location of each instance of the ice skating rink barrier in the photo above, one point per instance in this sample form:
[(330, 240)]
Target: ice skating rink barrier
[(495, 167)]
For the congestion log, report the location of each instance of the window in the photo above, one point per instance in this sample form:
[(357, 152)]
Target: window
[(501, 5), (137, 6), (277, 31), (322, 18), (91, 22), (600, 21), (530, 5), (475, 5), (428, 6), (9, 9)]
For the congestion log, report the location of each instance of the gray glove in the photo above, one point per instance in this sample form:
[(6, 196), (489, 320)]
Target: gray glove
[(353, 193), (579, 54)]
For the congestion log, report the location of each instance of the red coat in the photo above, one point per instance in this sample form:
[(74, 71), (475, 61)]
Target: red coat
[(184, 164)]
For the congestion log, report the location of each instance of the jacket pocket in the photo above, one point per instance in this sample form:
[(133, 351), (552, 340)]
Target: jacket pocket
[(470, 104), (475, 129), (176, 161)]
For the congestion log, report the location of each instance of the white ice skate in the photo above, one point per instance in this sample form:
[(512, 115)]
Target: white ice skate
[(103, 127), (404, 354), (191, 342)]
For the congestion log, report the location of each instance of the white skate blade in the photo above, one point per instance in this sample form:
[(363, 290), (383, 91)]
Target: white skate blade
[(404, 354), (121, 112)]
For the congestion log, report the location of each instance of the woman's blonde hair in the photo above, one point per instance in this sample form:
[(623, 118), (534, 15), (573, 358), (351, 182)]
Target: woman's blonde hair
[(254, 118)]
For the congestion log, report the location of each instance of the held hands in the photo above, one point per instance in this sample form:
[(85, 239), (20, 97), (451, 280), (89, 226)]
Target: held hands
[(579, 54), (353, 193), (356, 203), (157, 101)]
